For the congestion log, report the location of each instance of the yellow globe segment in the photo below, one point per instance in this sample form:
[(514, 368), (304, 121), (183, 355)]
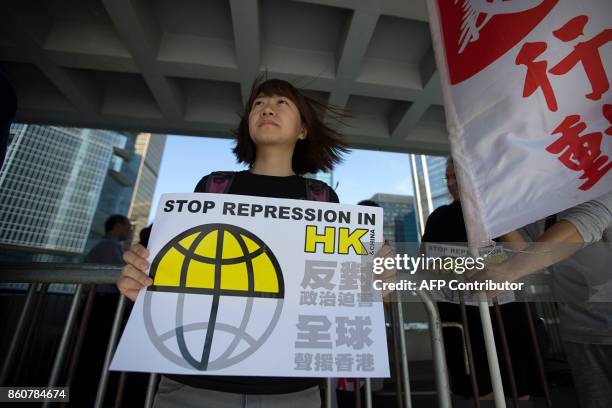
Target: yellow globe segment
[(250, 244), (231, 247), (168, 271), (234, 277), (186, 242), (208, 246), (201, 273), (264, 274)]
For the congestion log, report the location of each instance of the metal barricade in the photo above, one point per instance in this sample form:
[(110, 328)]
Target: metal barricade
[(45, 274), (39, 276)]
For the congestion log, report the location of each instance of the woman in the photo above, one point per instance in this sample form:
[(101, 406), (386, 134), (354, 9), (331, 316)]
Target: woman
[(280, 136)]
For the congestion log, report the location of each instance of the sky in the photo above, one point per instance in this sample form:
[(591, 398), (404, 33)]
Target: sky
[(363, 173)]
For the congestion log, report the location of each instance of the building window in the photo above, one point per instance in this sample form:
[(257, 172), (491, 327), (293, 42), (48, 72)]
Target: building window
[(116, 163)]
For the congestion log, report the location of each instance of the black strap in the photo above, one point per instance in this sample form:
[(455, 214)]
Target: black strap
[(219, 182), (316, 190)]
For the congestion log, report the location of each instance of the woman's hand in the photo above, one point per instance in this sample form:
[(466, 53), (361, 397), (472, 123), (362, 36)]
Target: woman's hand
[(133, 276)]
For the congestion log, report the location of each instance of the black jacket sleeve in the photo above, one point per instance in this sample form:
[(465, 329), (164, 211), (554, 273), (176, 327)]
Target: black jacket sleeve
[(431, 228)]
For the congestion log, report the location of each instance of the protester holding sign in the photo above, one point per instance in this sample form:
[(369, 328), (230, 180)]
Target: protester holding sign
[(576, 246), (280, 137), (446, 225)]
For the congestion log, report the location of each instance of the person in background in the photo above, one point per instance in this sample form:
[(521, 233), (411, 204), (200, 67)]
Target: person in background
[(576, 247), (369, 203), (109, 250), (446, 225)]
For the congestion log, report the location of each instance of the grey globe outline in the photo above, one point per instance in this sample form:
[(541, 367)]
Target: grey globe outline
[(158, 339)]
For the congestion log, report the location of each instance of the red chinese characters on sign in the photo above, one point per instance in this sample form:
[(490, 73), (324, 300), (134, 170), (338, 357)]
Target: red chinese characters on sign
[(477, 33), (536, 76), (582, 152), (586, 53), (578, 151)]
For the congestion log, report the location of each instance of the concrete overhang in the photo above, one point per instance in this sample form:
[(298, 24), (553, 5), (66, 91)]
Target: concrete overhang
[(186, 66)]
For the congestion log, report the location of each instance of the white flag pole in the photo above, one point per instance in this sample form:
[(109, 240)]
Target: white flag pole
[(477, 233)]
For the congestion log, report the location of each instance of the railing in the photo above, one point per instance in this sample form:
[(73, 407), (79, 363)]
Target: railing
[(40, 275)]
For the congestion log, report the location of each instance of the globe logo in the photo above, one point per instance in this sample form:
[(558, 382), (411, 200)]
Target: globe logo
[(214, 269)]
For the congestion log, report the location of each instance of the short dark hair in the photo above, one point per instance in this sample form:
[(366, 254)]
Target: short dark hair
[(114, 220), (323, 146)]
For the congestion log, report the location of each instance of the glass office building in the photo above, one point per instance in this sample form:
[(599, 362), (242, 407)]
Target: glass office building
[(57, 187), (398, 211), (118, 187), (50, 186), (150, 148)]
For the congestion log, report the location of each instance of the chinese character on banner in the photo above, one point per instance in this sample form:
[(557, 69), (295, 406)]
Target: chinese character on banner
[(582, 152), (555, 58), (585, 53), (536, 76)]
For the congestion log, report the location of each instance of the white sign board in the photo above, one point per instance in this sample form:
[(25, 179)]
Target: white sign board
[(258, 286)]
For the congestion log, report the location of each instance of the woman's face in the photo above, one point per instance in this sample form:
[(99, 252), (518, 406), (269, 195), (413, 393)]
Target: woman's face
[(275, 120)]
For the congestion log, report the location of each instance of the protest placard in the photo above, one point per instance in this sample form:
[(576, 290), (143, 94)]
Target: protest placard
[(258, 286)]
